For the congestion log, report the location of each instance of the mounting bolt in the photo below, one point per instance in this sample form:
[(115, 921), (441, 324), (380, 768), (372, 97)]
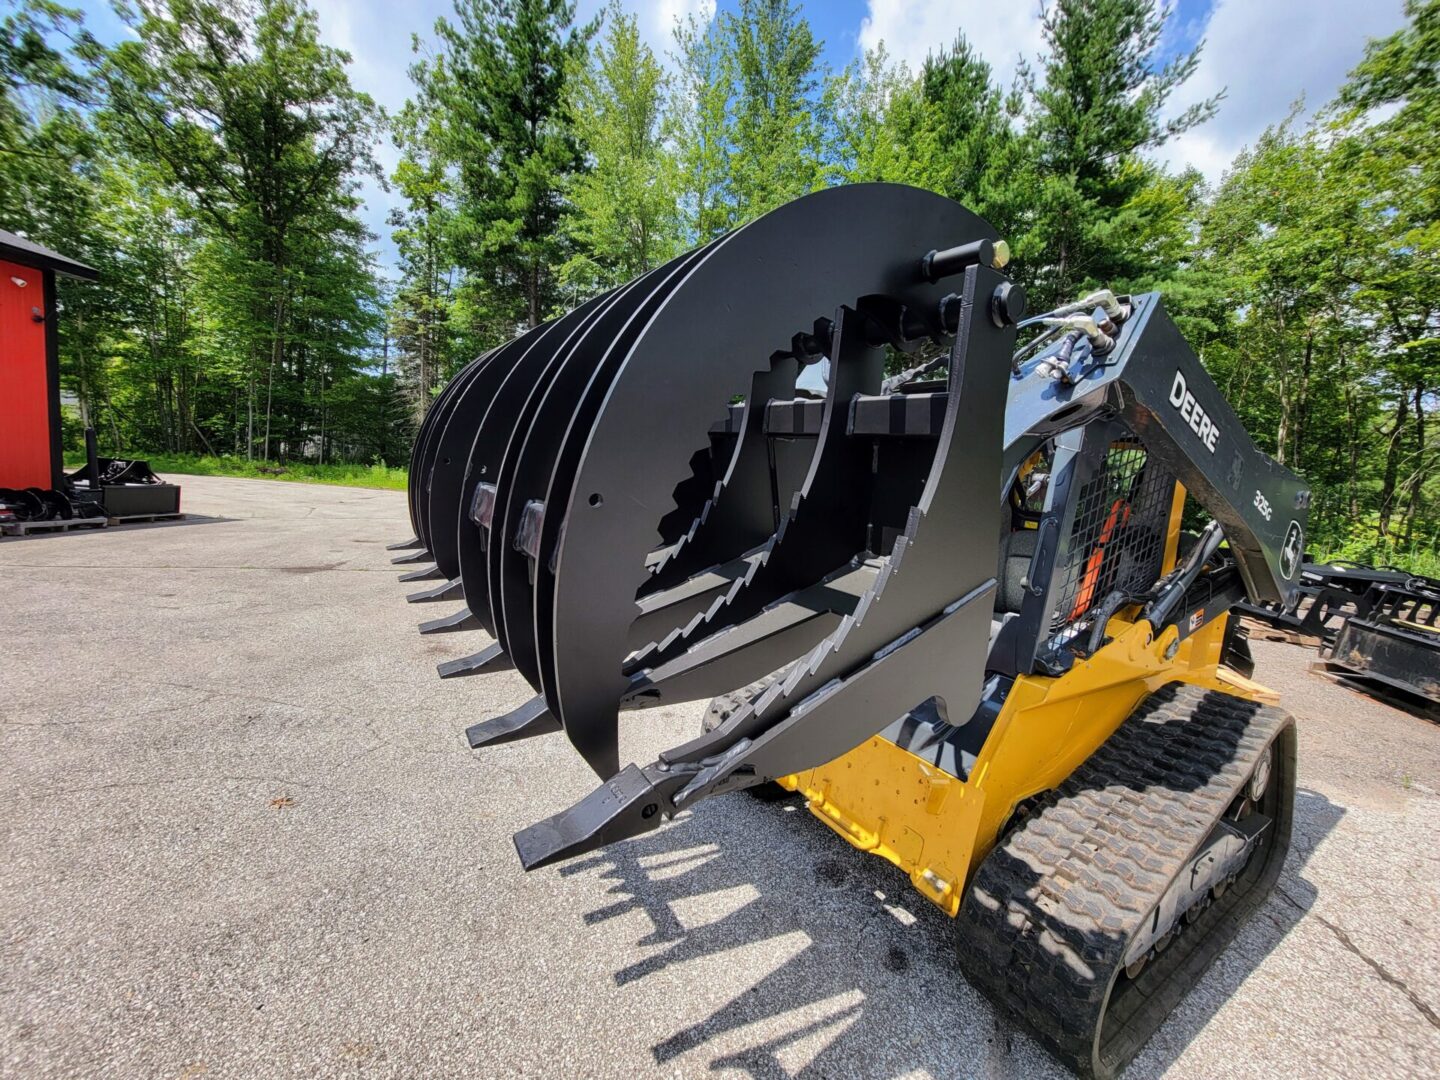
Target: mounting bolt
[(1007, 304)]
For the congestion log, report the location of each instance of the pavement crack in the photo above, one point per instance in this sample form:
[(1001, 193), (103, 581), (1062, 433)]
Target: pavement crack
[(238, 695), (120, 785), (1280, 891), (1385, 976)]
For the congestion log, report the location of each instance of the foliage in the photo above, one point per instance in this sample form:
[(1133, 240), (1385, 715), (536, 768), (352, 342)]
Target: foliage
[(623, 214), (351, 474), (499, 87), (208, 168)]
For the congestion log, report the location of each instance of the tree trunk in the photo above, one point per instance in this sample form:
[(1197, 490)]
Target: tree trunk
[(277, 347), (1392, 465), (1416, 480)]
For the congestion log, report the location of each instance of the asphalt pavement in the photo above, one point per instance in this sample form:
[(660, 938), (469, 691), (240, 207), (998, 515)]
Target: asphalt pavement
[(244, 837)]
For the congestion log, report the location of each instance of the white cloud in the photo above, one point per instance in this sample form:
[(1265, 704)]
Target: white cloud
[(1002, 33), (657, 18), (1266, 56)]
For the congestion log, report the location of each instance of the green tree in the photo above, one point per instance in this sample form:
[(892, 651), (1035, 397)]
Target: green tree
[(777, 107), (885, 127), (1096, 103), (1399, 158), (256, 121), (697, 126), (983, 160), (421, 310), (499, 84), (623, 213), (749, 124)]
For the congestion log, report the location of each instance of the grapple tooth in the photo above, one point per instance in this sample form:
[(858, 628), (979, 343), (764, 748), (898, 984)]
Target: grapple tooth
[(485, 417), (413, 542), (427, 573), (422, 555), (743, 512), (530, 719), (450, 456), (450, 590), (450, 624), (529, 459), (629, 804), (490, 658)]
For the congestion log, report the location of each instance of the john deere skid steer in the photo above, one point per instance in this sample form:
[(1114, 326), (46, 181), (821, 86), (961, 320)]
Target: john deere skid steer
[(954, 609)]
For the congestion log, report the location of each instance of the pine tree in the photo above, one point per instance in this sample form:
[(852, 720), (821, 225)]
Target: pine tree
[(500, 86), (983, 160), (1097, 102)]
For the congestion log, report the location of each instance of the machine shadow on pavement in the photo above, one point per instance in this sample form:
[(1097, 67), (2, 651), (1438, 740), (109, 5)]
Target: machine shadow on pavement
[(877, 979)]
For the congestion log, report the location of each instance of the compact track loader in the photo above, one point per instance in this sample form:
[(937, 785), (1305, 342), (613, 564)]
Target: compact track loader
[(954, 609)]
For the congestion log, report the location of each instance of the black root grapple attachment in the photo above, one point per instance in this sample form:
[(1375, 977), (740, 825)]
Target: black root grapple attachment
[(638, 506)]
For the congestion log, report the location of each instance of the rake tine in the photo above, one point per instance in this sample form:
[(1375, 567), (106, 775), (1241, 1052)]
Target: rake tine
[(405, 545), (421, 555)]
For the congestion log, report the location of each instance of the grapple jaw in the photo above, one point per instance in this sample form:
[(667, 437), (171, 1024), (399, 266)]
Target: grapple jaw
[(640, 508)]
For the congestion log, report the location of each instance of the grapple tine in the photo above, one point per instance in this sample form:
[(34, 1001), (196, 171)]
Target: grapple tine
[(528, 462), (422, 457), (450, 590), (422, 555), (474, 475), (450, 624), (428, 573), (490, 658), (451, 444), (530, 719), (413, 542)]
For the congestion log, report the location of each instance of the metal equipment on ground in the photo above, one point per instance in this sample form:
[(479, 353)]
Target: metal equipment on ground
[(35, 493), (951, 608), (1391, 643), (1375, 627)]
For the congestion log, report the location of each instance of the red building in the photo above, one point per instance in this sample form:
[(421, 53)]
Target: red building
[(30, 452)]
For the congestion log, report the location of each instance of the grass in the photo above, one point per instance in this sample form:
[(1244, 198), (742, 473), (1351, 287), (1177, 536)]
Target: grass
[(351, 475)]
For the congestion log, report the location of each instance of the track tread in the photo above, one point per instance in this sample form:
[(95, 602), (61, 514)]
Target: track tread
[(1051, 910)]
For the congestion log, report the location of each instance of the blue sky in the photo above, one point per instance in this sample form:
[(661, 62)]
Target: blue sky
[(1265, 54)]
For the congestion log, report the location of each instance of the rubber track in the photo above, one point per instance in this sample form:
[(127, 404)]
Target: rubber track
[(1050, 911)]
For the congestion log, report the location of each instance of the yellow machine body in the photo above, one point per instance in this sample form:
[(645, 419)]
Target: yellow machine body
[(937, 827)]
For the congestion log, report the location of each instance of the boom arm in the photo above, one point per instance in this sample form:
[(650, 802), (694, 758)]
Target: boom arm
[(1153, 380)]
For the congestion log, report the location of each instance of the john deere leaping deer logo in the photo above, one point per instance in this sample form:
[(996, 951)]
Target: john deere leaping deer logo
[(1290, 551)]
